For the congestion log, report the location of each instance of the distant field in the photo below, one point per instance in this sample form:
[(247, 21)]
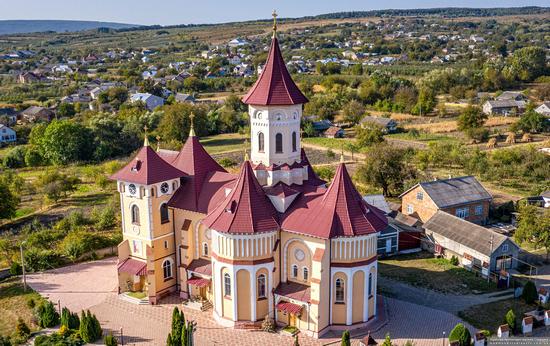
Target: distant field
[(425, 138), (224, 143), (451, 125)]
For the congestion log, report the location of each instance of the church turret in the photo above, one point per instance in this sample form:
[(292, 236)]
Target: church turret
[(275, 108)]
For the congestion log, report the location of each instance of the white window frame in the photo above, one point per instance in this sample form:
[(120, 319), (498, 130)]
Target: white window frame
[(339, 291), (462, 213), (420, 195), (227, 285), (410, 208), (294, 271), (479, 209), (262, 280), (305, 273), (167, 265)]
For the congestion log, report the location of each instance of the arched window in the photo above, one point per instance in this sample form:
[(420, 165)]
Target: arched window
[(339, 292), (306, 273), (164, 217), (370, 284), (167, 269), (261, 286), (135, 215), (152, 192), (294, 142), (294, 271), (261, 145), (227, 285), (205, 249), (278, 143)]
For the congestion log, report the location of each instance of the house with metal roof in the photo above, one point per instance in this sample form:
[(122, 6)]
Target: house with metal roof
[(463, 197), (475, 246)]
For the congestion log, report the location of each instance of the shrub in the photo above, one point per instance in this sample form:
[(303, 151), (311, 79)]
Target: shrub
[(110, 340), (461, 334), (22, 329), (90, 329), (15, 269), (529, 293), (105, 218), (268, 325), (346, 338), (227, 162), (510, 318), (15, 158), (31, 303), (69, 320), (47, 315), (454, 260)]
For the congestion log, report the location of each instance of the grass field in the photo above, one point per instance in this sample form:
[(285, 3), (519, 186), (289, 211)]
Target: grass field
[(224, 143), (490, 316), (13, 305), (423, 270), (451, 125), (333, 143), (425, 138)]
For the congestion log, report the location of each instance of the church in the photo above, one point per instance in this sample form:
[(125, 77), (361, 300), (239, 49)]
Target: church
[(273, 241)]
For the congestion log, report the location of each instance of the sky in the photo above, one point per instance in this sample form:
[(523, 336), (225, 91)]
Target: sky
[(170, 12)]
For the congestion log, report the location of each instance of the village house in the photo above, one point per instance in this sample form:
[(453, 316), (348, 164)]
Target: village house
[(463, 197), (501, 107), (544, 109), (334, 132), (151, 101), (8, 116), (185, 98), (36, 113), (272, 241), (388, 125), (475, 246), (7, 135), (30, 77)]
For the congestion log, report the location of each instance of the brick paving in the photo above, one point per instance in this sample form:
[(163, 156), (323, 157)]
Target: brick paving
[(91, 285)]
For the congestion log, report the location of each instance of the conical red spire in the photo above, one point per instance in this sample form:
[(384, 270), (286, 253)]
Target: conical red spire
[(147, 168), (275, 85), (339, 212), (246, 209), (197, 163)]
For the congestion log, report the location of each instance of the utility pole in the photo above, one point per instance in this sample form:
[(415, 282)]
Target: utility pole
[(490, 256), (23, 267)]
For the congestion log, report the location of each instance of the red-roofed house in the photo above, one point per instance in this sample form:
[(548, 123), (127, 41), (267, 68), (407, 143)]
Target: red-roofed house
[(273, 241)]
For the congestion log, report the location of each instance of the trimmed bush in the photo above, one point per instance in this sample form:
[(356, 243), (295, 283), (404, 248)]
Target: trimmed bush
[(346, 338), (510, 318), (461, 334), (110, 340), (69, 320), (22, 329), (47, 315), (454, 260), (90, 329)]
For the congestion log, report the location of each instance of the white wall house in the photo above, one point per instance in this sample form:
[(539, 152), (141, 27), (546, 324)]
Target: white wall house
[(7, 135)]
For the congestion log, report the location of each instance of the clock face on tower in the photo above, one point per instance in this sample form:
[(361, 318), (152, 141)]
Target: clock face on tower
[(132, 189), (164, 188)]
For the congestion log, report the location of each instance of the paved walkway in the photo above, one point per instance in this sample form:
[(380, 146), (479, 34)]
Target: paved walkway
[(436, 300), (92, 286)]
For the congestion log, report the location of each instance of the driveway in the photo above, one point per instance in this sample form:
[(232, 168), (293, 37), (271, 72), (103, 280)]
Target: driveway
[(79, 286), (93, 286)]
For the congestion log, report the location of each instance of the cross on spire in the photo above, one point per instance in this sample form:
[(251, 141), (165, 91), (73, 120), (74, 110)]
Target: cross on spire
[(146, 139), (158, 143), (275, 15), (246, 158), (192, 129)]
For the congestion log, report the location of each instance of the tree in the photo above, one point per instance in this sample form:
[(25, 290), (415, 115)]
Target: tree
[(47, 315), (386, 167), (66, 110), (90, 329), (176, 326), (8, 202), (461, 334), (531, 122), (296, 342), (368, 134), (15, 158), (534, 227), (353, 112), (510, 318), (69, 320), (66, 141), (526, 64), (471, 118), (21, 329), (55, 184), (346, 338), (529, 293), (387, 340), (176, 122)]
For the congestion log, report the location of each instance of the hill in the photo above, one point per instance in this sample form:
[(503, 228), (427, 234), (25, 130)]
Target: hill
[(28, 26)]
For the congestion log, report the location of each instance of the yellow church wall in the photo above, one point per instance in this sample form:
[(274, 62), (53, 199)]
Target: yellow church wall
[(243, 295), (262, 304), (339, 309), (227, 301), (358, 296)]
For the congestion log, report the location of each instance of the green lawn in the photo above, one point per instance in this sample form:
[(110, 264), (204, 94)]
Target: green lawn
[(333, 143), (491, 315), (423, 270), (224, 143), (425, 138), (13, 305)]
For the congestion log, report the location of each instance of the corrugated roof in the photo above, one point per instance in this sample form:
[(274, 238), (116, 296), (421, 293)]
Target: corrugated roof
[(468, 234), (454, 191), (275, 85)]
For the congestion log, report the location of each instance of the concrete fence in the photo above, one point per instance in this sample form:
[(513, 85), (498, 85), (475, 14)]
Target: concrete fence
[(4, 273)]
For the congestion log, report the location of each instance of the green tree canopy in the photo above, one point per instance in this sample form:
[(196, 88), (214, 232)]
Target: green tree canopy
[(66, 141)]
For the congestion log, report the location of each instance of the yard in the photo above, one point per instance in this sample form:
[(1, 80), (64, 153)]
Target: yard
[(224, 143), (423, 270), (491, 315), (14, 304)]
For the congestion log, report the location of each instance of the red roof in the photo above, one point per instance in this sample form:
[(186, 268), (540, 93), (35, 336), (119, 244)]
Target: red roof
[(197, 163), (147, 168), (201, 266), (246, 209), (281, 190), (338, 212), (294, 290), (290, 308), (133, 266), (198, 282), (275, 85)]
